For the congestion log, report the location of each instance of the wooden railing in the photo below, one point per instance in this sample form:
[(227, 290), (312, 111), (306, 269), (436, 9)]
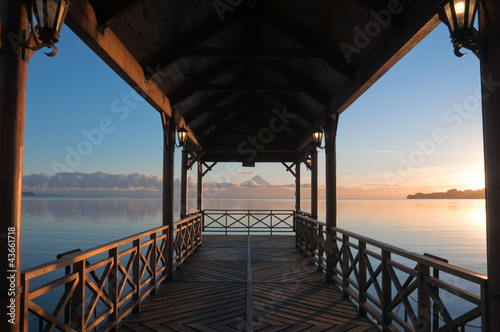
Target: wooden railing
[(97, 288), (400, 290), (249, 221)]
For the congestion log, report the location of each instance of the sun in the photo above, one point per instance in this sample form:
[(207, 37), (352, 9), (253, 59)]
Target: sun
[(473, 180)]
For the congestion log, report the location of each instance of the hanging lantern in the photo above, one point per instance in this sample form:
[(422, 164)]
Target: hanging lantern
[(317, 137), (459, 16), (182, 136), (50, 16)]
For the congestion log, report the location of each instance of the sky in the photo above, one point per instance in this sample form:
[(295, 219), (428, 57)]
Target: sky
[(417, 129)]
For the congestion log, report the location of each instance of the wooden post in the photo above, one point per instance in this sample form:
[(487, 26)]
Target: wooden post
[(136, 275), (153, 261), (362, 278), (330, 129), (297, 185), (113, 288), (168, 187), (489, 26), (345, 266), (78, 300), (386, 290), (13, 69), (424, 300), (199, 195), (314, 184), (184, 184)]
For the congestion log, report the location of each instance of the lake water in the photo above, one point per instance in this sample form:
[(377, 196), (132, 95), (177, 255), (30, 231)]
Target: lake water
[(452, 229)]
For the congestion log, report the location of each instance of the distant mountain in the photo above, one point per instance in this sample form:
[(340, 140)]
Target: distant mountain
[(256, 181), (451, 194)]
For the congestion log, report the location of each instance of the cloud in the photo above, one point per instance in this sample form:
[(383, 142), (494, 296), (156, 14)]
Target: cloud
[(250, 184), (98, 180), (380, 151), (245, 173)]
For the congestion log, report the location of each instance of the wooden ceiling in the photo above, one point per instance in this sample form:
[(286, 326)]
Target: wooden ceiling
[(251, 80)]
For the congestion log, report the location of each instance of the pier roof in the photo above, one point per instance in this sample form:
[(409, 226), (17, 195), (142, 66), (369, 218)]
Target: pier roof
[(251, 76)]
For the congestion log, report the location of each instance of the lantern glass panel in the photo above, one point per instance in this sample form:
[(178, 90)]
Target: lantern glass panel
[(62, 15), (317, 137), (39, 13), (182, 135), (472, 13), (460, 12), (51, 13)]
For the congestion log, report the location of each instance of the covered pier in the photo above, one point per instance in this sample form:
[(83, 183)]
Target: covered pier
[(249, 82)]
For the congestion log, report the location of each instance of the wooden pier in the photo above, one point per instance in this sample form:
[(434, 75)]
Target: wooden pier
[(247, 82), (247, 283)]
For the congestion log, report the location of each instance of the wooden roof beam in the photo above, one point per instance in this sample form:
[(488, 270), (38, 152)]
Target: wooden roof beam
[(82, 21), (261, 156), (208, 75), (205, 107), (381, 5), (170, 54), (291, 106), (335, 58), (387, 53), (298, 80), (110, 10), (242, 53)]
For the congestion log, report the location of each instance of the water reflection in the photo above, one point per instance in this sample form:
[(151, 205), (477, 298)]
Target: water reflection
[(454, 229)]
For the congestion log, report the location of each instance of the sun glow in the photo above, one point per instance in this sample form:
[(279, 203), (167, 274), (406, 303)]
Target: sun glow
[(473, 180)]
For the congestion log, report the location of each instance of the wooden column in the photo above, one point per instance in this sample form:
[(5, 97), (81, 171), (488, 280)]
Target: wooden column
[(184, 184), (331, 189), (489, 20), (297, 185), (13, 71), (168, 185), (199, 189), (314, 184)]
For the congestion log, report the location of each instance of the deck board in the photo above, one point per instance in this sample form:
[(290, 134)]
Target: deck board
[(210, 292)]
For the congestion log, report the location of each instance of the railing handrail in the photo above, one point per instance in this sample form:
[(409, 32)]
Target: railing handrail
[(53, 265), (249, 221), (427, 260), (251, 210), (50, 266), (331, 249), (149, 261)]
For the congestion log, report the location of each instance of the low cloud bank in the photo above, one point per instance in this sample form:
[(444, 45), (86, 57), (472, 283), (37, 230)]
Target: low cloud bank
[(98, 180)]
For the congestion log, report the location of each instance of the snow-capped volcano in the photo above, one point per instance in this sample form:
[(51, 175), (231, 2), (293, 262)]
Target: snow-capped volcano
[(256, 181)]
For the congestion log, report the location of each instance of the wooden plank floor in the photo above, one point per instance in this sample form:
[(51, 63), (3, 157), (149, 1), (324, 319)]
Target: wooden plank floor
[(241, 283)]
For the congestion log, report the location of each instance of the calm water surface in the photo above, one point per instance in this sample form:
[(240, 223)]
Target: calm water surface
[(453, 229)]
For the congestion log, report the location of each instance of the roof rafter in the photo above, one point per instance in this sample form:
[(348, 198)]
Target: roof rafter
[(206, 106), (381, 5), (82, 21), (335, 59), (111, 10), (168, 55), (387, 53), (205, 77), (299, 81)]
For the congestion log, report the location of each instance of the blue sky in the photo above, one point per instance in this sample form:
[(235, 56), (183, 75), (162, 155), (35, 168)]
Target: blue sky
[(417, 129)]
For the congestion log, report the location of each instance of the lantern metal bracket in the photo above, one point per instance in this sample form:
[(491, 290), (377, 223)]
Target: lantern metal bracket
[(20, 41), (468, 41)]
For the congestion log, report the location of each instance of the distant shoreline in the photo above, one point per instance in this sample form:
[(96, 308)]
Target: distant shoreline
[(451, 194)]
